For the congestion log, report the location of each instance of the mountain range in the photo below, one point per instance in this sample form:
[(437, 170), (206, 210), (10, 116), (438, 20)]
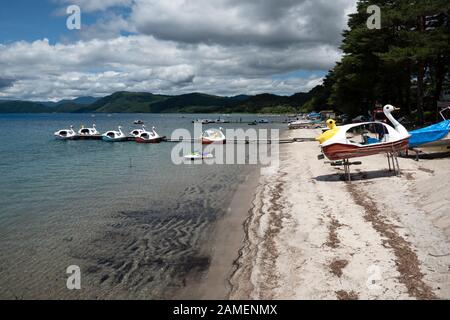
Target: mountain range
[(143, 102)]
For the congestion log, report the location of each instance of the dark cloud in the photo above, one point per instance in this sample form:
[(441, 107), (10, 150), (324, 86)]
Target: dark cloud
[(279, 23), (6, 83)]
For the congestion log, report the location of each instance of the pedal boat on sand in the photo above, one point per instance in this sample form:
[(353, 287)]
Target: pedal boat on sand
[(149, 137), (340, 144), (66, 134), (215, 136), (114, 136), (432, 139)]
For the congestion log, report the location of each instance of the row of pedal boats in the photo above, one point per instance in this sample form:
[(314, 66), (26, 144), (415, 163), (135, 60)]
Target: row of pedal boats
[(139, 135), (210, 136)]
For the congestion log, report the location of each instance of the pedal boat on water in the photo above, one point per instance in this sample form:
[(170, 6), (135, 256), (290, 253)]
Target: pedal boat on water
[(215, 136), (149, 137), (199, 156), (137, 132), (114, 136), (66, 134), (88, 131)]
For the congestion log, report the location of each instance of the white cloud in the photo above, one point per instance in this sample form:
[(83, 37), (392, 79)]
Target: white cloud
[(216, 46)]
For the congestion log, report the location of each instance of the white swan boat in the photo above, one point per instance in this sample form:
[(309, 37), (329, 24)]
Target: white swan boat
[(213, 136), (114, 136), (137, 132), (66, 134), (149, 137), (340, 143), (88, 132)]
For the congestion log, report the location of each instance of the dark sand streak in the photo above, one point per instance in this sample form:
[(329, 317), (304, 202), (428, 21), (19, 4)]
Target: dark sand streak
[(345, 295), (408, 264), (337, 266), (270, 253), (333, 239)]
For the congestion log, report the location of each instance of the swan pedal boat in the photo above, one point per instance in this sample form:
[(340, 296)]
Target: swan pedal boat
[(114, 136), (137, 132), (149, 137), (88, 133), (339, 146), (215, 136), (66, 134)]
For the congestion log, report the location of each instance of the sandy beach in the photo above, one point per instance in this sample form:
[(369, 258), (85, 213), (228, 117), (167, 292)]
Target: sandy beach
[(310, 235)]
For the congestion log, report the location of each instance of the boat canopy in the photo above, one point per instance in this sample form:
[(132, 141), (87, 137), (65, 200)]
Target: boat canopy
[(429, 134)]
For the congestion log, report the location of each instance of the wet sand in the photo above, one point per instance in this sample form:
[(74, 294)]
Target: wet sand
[(225, 240), (311, 235)]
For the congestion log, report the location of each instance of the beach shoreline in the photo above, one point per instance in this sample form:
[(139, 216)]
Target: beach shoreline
[(222, 244), (311, 235)]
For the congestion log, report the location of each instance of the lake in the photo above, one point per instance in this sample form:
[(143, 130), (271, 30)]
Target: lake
[(134, 222)]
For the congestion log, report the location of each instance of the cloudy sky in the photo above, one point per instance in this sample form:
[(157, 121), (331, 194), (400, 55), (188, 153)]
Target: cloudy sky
[(223, 47)]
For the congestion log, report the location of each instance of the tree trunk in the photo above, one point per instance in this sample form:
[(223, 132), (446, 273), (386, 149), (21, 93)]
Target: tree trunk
[(440, 75), (420, 76), (408, 87)]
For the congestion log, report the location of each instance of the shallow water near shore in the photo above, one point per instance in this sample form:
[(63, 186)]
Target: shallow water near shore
[(133, 221)]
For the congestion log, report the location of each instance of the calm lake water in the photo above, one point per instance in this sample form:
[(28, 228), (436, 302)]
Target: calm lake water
[(133, 221)]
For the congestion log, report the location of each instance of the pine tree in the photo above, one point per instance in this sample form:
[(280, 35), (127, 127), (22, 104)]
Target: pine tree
[(405, 63)]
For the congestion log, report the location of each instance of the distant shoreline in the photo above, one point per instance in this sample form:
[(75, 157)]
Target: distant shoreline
[(144, 102), (144, 113)]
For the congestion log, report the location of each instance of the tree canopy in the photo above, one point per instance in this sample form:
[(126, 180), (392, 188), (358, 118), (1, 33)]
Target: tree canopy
[(405, 63)]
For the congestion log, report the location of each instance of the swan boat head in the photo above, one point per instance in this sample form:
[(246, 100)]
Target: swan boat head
[(333, 129), (388, 109)]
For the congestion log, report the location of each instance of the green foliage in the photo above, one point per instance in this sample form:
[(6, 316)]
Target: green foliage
[(309, 106), (279, 110), (23, 107), (198, 103), (406, 63), (135, 102)]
